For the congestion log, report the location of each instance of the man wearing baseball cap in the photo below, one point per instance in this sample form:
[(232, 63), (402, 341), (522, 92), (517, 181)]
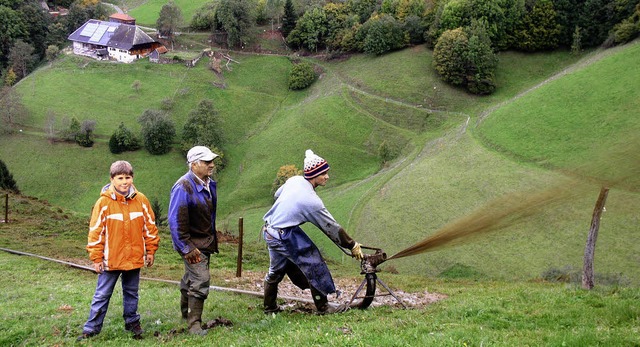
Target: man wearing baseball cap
[(192, 220), (291, 251)]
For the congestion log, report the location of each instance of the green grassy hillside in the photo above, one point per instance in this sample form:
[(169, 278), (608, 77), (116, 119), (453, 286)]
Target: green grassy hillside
[(147, 12), (445, 167)]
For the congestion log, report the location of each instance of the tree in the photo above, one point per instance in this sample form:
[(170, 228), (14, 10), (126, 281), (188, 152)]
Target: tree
[(284, 173), (362, 8), (481, 60), (85, 136), (10, 77), (449, 56), (202, 127), (52, 52), (6, 179), (21, 58), (274, 10), (71, 132), (538, 29), (382, 34), (169, 20), (50, 127), (414, 27), (12, 27), (12, 111), (123, 140), (301, 76), (310, 30), (37, 22), (465, 58), (57, 34), (235, 18), (157, 131), (289, 18), (205, 17)]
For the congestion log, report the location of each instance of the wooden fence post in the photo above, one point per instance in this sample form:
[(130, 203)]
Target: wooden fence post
[(240, 237), (6, 208), (587, 270)]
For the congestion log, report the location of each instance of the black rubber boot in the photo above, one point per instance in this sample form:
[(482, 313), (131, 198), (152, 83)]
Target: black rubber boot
[(322, 304), (271, 298), (194, 316)]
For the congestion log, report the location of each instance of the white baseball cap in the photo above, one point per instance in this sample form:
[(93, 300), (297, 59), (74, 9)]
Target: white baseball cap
[(200, 153)]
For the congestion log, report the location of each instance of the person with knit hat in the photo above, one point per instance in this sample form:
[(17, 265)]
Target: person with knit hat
[(291, 251)]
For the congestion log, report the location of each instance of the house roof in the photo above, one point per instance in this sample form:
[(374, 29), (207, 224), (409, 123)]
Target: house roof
[(122, 16), (110, 34)]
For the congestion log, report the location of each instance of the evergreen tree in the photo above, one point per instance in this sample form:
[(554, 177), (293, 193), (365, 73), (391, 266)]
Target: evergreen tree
[(6, 179), (289, 18)]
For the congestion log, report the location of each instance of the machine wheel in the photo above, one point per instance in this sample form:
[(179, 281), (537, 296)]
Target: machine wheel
[(370, 292)]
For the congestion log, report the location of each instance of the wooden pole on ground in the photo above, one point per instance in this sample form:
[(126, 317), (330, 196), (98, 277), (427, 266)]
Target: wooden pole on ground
[(240, 236), (587, 270)]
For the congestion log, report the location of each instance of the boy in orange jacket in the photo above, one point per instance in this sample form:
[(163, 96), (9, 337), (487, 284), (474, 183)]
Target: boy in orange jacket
[(122, 239)]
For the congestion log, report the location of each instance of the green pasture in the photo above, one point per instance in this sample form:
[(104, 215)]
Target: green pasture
[(589, 112), (472, 314), (468, 311), (147, 12), (444, 167)]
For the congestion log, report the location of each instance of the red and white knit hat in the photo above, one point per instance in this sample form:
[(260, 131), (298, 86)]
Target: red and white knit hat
[(314, 165)]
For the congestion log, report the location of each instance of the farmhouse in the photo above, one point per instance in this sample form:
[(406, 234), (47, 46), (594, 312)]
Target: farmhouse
[(115, 39)]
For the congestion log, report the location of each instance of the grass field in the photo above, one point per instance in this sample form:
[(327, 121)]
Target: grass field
[(147, 12), (445, 166), (472, 312), (442, 172)]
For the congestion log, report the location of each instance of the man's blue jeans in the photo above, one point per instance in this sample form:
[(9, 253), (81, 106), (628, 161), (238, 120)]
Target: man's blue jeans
[(100, 303)]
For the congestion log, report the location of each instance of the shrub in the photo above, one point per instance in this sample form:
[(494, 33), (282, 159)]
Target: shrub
[(167, 104), (85, 136), (301, 76), (70, 133), (625, 31), (157, 131), (123, 140), (6, 179), (284, 173), (157, 211)]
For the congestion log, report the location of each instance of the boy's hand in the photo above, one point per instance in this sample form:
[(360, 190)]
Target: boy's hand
[(149, 260), (98, 267)]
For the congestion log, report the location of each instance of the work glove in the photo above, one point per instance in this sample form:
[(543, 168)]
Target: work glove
[(193, 257), (356, 252)]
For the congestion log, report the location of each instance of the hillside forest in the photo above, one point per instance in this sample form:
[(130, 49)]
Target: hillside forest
[(465, 34)]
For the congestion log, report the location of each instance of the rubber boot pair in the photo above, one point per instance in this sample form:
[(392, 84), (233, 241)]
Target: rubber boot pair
[(194, 316), (270, 298)]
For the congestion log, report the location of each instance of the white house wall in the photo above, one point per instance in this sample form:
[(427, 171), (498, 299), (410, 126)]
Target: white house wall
[(121, 56)]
